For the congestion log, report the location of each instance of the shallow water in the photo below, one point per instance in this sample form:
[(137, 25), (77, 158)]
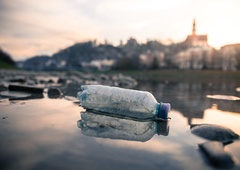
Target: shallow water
[(43, 133)]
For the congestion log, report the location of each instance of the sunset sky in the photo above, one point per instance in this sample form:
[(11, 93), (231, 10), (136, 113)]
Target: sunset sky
[(37, 27)]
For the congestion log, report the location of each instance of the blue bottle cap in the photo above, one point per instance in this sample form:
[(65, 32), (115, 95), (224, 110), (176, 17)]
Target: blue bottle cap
[(163, 110)]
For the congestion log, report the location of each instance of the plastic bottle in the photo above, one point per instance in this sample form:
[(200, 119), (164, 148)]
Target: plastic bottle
[(124, 102)]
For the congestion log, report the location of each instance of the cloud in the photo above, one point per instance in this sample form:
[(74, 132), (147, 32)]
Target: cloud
[(56, 24), (49, 22)]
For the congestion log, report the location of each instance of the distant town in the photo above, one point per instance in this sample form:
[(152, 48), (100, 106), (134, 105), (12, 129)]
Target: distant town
[(193, 53)]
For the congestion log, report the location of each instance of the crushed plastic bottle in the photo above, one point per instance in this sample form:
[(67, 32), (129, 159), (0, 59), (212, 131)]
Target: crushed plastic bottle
[(123, 102)]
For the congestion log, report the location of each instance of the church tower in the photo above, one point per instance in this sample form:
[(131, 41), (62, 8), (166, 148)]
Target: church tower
[(194, 27), (196, 40)]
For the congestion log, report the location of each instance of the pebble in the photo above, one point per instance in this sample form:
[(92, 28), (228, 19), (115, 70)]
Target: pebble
[(4, 117), (61, 81), (50, 81), (54, 93)]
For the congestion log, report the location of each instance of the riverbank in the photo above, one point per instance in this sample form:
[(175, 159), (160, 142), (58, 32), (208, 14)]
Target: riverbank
[(206, 76), (65, 83)]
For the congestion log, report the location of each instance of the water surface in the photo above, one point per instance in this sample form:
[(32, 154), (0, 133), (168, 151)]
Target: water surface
[(43, 133)]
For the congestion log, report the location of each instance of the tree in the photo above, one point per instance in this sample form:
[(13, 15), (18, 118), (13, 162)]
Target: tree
[(155, 64)]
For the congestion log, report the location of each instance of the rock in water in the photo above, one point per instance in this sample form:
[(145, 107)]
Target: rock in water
[(62, 81), (54, 93), (3, 87), (25, 88), (214, 132), (216, 155)]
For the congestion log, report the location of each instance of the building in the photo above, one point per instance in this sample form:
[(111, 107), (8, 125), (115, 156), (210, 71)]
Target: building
[(196, 40), (230, 57)]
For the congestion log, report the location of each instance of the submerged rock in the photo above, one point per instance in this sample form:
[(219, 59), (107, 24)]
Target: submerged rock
[(213, 132)]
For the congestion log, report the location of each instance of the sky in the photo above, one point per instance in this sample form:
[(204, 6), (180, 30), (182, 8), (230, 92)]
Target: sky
[(43, 27)]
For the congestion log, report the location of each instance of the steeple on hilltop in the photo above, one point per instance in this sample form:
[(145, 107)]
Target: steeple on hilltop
[(194, 27), (196, 40)]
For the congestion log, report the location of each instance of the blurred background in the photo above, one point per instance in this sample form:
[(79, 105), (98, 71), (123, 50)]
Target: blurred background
[(120, 34)]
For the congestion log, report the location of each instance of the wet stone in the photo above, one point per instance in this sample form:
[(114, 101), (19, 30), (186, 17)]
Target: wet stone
[(50, 81), (18, 80), (3, 87), (61, 81), (25, 88), (31, 82), (104, 77), (54, 93), (214, 132), (4, 117), (124, 81), (42, 82)]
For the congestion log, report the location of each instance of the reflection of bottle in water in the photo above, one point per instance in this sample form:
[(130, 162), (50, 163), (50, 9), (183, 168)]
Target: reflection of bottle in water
[(103, 126), (125, 102)]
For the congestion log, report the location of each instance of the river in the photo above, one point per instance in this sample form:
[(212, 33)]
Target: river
[(45, 133)]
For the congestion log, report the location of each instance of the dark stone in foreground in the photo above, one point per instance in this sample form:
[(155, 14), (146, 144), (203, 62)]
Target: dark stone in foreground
[(18, 80), (214, 132), (216, 155), (3, 87), (54, 93), (61, 81), (214, 149), (31, 89)]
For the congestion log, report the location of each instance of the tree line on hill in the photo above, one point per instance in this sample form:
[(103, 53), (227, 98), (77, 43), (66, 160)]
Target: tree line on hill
[(133, 55)]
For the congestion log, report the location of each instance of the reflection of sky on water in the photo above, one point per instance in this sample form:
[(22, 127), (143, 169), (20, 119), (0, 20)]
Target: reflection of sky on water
[(35, 129), (43, 134), (215, 116)]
